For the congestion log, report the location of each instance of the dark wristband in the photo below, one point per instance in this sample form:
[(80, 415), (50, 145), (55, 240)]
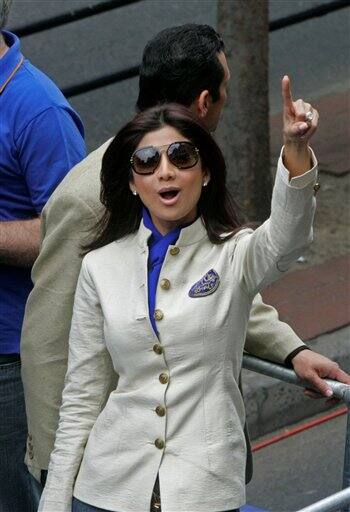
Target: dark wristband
[(288, 360)]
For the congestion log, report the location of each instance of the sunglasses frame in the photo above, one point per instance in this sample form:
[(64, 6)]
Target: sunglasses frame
[(160, 151)]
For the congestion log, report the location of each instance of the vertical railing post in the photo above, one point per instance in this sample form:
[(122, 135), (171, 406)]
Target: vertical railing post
[(346, 472)]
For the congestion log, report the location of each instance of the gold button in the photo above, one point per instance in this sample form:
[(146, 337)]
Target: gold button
[(158, 314), (174, 251), (159, 443), (165, 284), (164, 378), (160, 410), (317, 187), (158, 349), (31, 455)]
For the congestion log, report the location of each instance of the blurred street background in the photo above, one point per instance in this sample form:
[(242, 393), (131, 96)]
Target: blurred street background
[(92, 49)]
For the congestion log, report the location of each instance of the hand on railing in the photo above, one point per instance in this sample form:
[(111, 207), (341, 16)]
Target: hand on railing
[(313, 368), (340, 390)]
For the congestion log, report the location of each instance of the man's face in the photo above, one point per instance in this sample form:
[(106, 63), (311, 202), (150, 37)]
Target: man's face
[(214, 112)]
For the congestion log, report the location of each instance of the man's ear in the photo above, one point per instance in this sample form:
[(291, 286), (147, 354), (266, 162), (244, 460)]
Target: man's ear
[(201, 104)]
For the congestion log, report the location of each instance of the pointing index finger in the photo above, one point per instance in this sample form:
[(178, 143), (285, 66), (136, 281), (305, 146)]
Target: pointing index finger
[(286, 93)]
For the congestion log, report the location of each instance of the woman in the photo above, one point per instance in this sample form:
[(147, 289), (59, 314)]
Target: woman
[(162, 301)]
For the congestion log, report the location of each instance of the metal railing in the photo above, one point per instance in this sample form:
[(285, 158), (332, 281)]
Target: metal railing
[(342, 391)]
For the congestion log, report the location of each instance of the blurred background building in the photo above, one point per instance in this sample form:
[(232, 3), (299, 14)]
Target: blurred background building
[(86, 44)]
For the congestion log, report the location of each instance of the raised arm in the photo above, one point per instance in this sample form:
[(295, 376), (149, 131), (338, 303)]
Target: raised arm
[(263, 255)]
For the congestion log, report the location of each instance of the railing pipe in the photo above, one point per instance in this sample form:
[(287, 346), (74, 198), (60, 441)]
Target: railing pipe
[(330, 504), (277, 371), (341, 391)]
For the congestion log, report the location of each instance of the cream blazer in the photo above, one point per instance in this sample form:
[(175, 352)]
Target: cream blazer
[(70, 214), (177, 409)]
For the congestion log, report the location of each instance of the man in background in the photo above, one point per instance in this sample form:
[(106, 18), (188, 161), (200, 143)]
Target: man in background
[(186, 65), (41, 139)]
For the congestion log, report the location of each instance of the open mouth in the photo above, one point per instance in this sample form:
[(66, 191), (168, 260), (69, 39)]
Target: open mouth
[(169, 194)]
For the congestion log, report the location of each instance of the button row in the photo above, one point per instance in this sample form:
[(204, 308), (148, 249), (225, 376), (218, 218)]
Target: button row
[(30, 448)]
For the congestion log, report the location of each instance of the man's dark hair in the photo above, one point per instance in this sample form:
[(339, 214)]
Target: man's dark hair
[(178, 64), (123, 211)]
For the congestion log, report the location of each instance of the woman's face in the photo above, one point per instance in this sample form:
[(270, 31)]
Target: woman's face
[(170, 194)]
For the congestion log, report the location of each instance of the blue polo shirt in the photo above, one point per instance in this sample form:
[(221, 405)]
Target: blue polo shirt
[(41, 139)]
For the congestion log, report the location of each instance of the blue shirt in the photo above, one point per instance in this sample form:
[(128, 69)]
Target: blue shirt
[(41, 139), (158, 245)]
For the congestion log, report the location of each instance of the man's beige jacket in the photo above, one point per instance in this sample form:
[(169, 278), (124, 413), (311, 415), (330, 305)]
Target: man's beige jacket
[(69, 216), (177, 409)]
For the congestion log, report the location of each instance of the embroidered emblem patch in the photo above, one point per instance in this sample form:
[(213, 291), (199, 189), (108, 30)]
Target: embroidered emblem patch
[(206, 286)]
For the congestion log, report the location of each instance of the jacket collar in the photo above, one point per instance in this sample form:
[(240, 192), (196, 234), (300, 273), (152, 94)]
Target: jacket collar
[(11, 61), (189, 235)]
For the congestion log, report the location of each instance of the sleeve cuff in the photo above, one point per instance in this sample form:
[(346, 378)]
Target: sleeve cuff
[(288, 360), (299, 181)]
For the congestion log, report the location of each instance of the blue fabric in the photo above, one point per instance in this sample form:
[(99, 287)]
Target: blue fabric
[(81, 506), (41, 139), (16, 488), (249, 508), (158, 245)]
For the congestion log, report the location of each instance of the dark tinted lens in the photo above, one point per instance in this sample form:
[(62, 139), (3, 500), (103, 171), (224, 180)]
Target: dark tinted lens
[(183, 154), (145, 160)]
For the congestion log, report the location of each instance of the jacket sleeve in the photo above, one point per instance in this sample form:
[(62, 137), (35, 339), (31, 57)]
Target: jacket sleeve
[(260, 257), (88, 377), (44, 343), (267, 336)]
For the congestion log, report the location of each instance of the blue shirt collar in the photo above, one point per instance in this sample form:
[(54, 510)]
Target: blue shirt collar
[(156, 235), (11, 61)]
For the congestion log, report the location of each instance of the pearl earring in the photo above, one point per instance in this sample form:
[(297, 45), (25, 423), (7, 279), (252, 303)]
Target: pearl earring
[(134, 192), (205, 183)]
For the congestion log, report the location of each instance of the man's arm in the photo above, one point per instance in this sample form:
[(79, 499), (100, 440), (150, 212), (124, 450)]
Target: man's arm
[(19, 242), (46, 149), (269, 338)]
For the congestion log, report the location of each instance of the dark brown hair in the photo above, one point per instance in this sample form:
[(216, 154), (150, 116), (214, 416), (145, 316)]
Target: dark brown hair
[(123, 210)]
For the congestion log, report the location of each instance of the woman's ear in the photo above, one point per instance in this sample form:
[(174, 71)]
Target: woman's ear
[(206, 177), (132, 188)]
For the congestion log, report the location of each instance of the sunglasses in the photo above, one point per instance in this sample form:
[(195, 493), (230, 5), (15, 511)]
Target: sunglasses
[(183, 155)]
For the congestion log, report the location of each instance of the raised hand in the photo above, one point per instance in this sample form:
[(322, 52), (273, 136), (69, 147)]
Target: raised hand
[(300, 119)]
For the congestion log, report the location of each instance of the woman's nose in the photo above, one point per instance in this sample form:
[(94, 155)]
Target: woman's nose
[(166, 169)]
